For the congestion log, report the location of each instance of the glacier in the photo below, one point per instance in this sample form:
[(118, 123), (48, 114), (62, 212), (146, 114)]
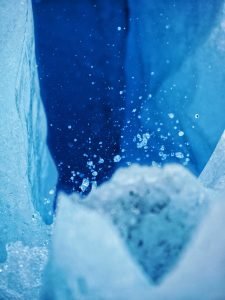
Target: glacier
[(142, 235), (27, 173), (213, 175), (159, 62), (104, 258), (89, 241), (200, 274), (110, 224), (108, 228), (175, 84), (168, 203)]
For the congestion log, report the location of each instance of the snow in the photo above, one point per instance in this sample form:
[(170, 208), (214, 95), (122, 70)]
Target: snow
[(89, 260), (168, 203), (201, 272), (130, 233), (142, 235)]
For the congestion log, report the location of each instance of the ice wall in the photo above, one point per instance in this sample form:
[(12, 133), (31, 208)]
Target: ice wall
[(27, 173), (175, 84), (213, 175), (100, 250), (126, 236), (97, 264), (155, 211), (145, 220), (156, 61), (200, 274)]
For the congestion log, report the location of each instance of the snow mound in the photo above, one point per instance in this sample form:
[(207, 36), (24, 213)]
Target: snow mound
[(89, 260), (155, 211), (125, 236)]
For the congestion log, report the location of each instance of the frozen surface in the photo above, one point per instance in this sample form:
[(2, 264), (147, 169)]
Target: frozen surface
[(201, 272), (27, 173), (21, 274), (175, 82), (213, 175), (89, 260), (154, 212), (135, 231)]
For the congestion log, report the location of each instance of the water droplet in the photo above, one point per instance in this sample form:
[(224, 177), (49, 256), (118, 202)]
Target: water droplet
[(117, 158), (51, 192), (171, 115), (181, 133), (85, 184), (179, 155), (101, 161)]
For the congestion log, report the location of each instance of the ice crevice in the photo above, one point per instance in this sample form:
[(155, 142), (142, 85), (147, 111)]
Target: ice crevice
[(27, 172), (142, 235)]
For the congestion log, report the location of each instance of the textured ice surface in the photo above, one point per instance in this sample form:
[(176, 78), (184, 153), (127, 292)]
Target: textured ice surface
[(131, 230), (213, 175), (175, 53), (27, 173), (26, 170), (201, 272), (155, 211), (21, 274), (89, 260)]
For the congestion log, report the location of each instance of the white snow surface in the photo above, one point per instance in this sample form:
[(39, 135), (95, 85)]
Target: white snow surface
[(93, 258), (155, 210)]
